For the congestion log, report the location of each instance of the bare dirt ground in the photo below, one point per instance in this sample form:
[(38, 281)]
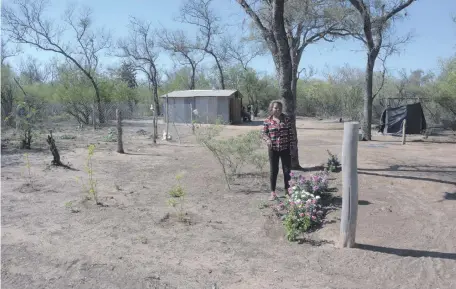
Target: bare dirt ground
[(406, 230)]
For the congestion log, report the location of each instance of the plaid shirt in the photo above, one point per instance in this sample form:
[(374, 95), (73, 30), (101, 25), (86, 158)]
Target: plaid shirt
[(280, 133)]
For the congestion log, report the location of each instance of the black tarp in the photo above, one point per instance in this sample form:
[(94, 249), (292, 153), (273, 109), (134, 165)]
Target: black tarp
[(392, 118)]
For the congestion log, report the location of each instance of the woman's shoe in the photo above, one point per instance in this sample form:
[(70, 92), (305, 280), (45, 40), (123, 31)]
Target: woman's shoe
[(273, 196)]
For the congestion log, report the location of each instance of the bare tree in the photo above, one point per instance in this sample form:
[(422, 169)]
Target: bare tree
[(287, 29), (6, 52), (141, 50), (242, 51), (200, 14), (34, 71), (27, 25), (183, 50), (376, 18)]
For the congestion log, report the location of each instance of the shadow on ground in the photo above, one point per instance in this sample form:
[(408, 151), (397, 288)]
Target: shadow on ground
[(310, 168), (409, 168), (320, 128), (251, 123), (336, 201), (409, 178), (449, 196), (415, 169), (407, 252)]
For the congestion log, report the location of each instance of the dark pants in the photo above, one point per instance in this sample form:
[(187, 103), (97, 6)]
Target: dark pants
[(274, 157)]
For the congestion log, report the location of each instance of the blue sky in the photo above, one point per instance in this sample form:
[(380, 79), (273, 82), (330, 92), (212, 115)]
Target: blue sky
[(430, 22)]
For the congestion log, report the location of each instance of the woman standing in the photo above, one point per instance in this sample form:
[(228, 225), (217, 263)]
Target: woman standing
[(280, 138)]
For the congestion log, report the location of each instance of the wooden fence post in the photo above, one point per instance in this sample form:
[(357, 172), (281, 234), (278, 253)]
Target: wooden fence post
[(120, 149), (404, 126), (350, 185), (167, 118), (94, 121)]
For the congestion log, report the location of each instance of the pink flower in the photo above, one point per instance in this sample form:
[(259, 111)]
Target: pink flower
[(314, 218), (301, 215), (291, 174)]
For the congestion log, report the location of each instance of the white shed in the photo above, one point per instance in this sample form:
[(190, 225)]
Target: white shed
[(206, 105)]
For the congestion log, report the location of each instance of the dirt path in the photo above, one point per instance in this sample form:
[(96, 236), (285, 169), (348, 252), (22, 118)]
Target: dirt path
[(405, 224)]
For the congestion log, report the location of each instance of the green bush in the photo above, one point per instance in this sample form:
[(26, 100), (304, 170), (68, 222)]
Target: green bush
[(234, 153)]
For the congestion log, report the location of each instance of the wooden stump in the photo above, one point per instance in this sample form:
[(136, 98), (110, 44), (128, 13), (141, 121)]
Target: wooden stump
[(404, 126), (350, 185), (120, 149), (55, 152)]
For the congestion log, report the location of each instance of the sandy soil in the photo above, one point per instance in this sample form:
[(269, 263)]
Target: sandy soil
[(406, 231)]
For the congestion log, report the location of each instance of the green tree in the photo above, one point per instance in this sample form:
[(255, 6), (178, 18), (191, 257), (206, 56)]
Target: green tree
[(27, 24), (371, 26), (446, 87), (7, 95), (287, 28)]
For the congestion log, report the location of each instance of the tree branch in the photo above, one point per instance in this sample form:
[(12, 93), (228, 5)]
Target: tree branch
[(397, 9)]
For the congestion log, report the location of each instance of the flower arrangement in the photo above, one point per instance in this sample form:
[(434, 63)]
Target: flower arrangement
[(302, 209), (315, 184)]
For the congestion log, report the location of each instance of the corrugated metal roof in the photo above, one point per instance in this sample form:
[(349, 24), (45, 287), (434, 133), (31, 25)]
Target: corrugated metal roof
[(200, 93)]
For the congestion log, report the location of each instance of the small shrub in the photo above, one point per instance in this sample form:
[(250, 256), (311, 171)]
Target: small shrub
[(91, 186), (26, 119), (112, 136), (333, 164), (69, 205), (177, 199), (260, 160), (235, 152), (28, 169)]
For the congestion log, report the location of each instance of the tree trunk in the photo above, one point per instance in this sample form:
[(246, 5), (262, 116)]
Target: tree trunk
[(368, 99), (294, 75), (156, 100), (289, 99), (256, 107), (284, 68), (220, 69), (286, 95), (192, 80), (294, 83), (101, 118)]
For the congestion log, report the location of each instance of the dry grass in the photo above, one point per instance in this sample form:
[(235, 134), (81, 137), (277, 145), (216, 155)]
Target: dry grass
[(406, 217)]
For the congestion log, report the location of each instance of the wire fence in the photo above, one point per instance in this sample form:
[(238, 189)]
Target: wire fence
[(84, 114), (80, 114)]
